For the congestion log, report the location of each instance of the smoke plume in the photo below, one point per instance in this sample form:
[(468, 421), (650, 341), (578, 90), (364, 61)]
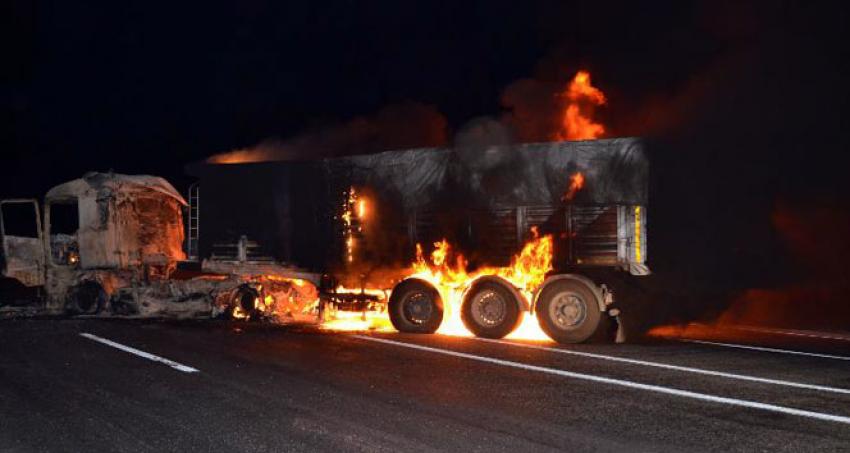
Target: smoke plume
[(397, 126)]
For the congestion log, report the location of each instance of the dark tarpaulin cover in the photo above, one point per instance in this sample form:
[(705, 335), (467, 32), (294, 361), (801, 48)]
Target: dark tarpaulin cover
[(292, 207), (616, 171)]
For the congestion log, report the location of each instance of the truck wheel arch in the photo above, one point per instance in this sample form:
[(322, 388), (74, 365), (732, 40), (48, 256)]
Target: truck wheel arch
[(87, 297)]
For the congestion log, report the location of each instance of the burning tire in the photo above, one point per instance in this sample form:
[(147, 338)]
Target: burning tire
[(416, 307), (244, 303), (568, 311), (490, 309)]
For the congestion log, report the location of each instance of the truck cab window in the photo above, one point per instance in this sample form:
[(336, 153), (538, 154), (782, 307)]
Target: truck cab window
[(19, 219), (64, 224)]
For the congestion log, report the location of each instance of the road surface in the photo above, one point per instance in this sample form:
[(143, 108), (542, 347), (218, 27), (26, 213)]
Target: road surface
[(103, 385)]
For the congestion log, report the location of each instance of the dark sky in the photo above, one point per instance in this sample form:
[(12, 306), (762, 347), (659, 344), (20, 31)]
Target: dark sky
[(745, 103), (146, 87)]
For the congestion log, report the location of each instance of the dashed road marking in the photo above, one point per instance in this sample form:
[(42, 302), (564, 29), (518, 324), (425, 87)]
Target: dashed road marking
[(140, 353), (620, 382)]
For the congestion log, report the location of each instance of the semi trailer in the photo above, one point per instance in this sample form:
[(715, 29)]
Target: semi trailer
[(358, 220)]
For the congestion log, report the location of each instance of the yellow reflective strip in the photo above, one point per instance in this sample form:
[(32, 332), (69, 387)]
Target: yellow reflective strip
[(637, 234)]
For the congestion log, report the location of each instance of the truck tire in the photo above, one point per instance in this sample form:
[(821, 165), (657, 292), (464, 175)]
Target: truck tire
[(490, 309), (416, 307), (86, 298), (568, 311)]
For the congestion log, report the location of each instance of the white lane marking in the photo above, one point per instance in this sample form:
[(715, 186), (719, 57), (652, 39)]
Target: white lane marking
[(667, 366), (796, 333), (620, 382), (149, 356), (764, 349)]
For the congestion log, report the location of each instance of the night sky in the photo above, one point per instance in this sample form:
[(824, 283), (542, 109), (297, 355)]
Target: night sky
[(744, 105)]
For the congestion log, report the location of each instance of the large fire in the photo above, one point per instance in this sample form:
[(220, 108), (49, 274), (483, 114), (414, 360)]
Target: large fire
[(448, 272), (577, 122)]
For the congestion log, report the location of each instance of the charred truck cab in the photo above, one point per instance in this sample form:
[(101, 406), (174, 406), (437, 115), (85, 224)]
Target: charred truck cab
[(358, 220), (110, 244)]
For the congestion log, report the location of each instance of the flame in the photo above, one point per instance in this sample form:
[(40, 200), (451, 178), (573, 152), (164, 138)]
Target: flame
[(354, 321), (527, 272), (577, 122), (448, 272), (239, 313), (370, 291), (238, 156), (358, 321), (576, 184)]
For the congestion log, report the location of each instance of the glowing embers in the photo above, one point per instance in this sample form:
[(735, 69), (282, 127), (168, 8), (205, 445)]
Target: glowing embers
[(354, 213), (582, 98), (274, 297)]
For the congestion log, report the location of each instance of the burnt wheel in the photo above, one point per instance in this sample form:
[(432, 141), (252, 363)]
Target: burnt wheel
[(87, 298), (490, 309), (244, 302), (416, 307), (568, 311)]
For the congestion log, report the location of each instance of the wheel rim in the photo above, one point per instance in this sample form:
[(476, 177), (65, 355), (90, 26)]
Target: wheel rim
[(567, 310), (489, 308), (417, 307)]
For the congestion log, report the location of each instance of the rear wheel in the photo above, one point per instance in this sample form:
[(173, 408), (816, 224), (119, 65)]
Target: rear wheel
[(568, 311), (490, 309), (416, 307)]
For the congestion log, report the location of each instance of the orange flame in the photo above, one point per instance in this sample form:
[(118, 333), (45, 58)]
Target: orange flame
[(577, 122), (527, 271), (576, 184)]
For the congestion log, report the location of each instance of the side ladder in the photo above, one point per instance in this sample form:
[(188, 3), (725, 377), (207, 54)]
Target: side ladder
[(194, 222)]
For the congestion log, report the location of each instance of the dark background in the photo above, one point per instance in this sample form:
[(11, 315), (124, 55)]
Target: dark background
[(744, 106)]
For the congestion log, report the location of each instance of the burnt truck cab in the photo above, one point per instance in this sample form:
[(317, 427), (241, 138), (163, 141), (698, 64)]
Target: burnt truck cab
[(95, 235), (111, 244)]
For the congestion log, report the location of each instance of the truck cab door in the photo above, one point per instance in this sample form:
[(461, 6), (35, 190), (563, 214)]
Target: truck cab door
[(23, 245)]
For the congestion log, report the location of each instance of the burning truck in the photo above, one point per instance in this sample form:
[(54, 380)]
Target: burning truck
[(478, 240), (468, 240)]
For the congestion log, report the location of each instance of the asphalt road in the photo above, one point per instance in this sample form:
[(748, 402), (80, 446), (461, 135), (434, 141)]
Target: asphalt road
[(217, 386)]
